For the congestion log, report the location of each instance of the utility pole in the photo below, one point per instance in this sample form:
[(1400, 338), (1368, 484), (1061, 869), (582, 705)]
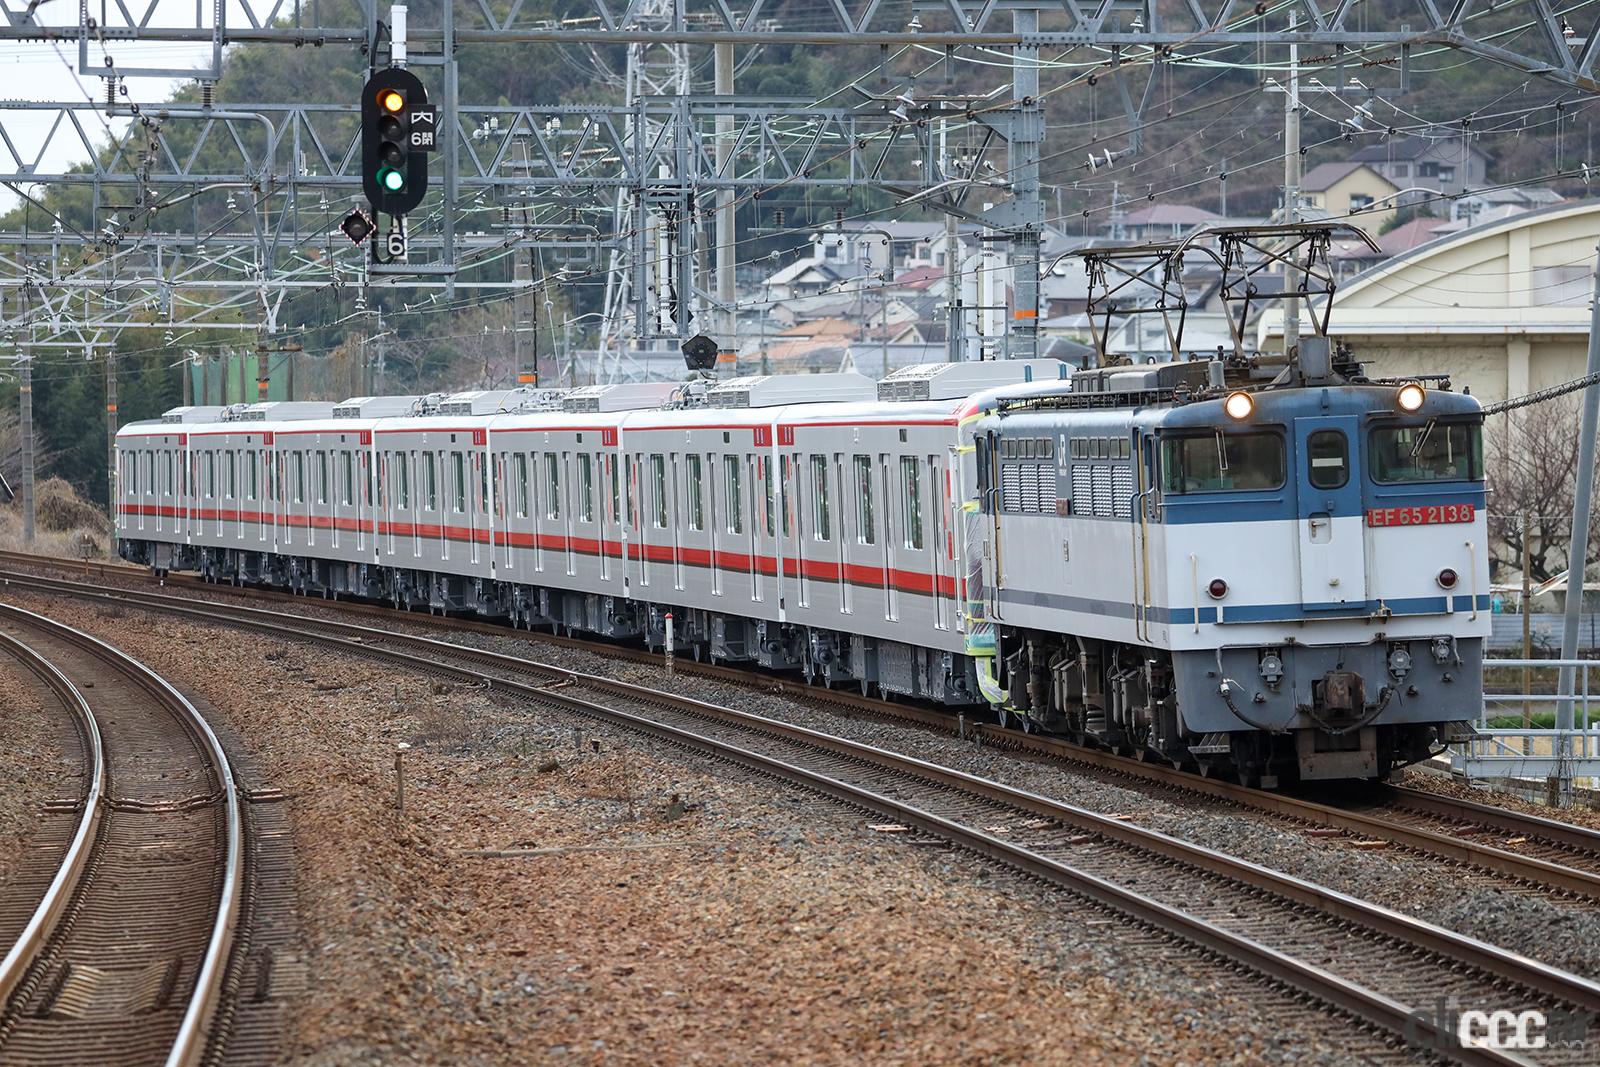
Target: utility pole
[(1527, 623), (1291, 190), (25, 395), (727, 293), (185, 367), (263, 379), (1022, 160), (955, 330), (1578, 552), (111, 430)]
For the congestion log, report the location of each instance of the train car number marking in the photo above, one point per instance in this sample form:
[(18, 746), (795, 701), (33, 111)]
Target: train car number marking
[(1426, 515)]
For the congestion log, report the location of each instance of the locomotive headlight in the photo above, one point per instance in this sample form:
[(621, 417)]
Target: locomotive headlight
[(1239, 405), (1410, 396)]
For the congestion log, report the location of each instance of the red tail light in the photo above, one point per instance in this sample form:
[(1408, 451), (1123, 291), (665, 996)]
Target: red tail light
[(1447, 579)]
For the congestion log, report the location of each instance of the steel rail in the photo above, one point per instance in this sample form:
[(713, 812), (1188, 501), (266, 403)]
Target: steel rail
[(194, 1031), (1457, 948), (1523, 869), (68, 875)]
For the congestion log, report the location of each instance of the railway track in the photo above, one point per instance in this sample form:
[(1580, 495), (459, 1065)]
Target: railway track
[(1384, 969), (1532, 853), (126, 957)]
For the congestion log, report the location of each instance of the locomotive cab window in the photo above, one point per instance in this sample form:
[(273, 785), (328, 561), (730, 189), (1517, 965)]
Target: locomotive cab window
[(1327, 459), (1430, 452), (1221, 463)]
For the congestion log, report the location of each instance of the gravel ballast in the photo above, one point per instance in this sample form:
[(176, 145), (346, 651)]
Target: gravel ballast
[(745, 921), (1479, 905), (40, 761)]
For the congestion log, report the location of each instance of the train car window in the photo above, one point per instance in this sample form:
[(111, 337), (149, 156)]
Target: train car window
[(211, 474), (167, 481), (911, 501), (866, 526), (1327, 459), (519, 466), (786, 499), (821, 527), (552, 486), (732, 493), (658, 487), (430, 483), (349, 477), (585, 487), (406, 460), (322, 477), (252, 471), (1433, 452), (697, 517), (1219, 462), (769, 502), (632, 491), (616, 488)]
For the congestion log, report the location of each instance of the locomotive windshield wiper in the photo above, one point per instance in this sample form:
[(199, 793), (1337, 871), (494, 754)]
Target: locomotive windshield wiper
[(1422, 438)]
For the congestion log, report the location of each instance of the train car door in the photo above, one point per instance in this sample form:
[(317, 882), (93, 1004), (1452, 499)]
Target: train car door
[(1329, 533)]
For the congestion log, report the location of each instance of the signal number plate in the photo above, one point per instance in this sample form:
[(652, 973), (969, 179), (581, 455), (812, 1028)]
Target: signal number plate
[(1426, 515)]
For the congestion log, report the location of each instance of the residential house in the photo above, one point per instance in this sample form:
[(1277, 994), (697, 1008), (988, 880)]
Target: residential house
[(1420, 165), (1351, 192), (1501, 203), (1159, 222)]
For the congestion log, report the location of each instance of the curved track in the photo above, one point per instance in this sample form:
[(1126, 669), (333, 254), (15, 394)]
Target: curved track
[(1535, 854), (1385, 969), (131, 968)]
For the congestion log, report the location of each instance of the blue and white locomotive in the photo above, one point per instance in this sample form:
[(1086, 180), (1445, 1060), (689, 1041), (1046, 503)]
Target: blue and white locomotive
[(1289, 579), (1269, 576)]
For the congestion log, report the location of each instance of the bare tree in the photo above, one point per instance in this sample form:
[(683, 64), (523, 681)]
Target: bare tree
[(1531, 460)]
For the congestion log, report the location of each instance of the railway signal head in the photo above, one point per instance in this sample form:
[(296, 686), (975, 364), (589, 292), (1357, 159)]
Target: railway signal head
[(394, 173), (357, 226), (699, 352)]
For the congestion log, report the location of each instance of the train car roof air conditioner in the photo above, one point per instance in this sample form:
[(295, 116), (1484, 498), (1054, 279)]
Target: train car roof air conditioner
[(286, 411), (194, 413), (952, 381), (375, 407), (625, 396), (479, 402), (777, 390)]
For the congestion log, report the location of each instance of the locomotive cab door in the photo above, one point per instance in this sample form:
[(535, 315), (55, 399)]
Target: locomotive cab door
[(1330, 537)]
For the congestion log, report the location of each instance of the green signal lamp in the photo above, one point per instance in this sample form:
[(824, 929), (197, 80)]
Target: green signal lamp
[(391, 180)]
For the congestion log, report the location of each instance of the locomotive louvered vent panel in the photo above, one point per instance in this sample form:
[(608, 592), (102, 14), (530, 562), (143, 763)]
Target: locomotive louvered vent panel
[(1039, 488), (1122, 485), (1010, 487), (1103, 495), (1082, 490), (1044, 480)]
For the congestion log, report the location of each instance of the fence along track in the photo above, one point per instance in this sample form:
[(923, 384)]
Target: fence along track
[(1080, 850), (134, 847)]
